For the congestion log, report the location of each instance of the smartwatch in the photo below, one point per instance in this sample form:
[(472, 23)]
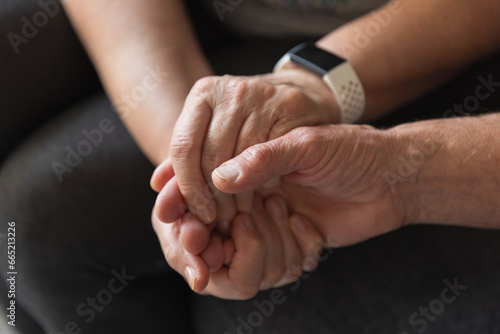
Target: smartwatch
[(338, 74)]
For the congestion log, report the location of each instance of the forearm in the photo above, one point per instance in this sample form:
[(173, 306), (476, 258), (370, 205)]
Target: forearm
[(129, 40), (416, 47), (454, 171)]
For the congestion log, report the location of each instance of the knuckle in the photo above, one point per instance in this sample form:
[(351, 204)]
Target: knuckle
[(289, 111), (309, 137), (307, 134), (182, 146), (295, 100), (210, 159), (238, 89), (204, 85), (239, 85), (269, 91), (213, 153), (258, 154), (366, 127)]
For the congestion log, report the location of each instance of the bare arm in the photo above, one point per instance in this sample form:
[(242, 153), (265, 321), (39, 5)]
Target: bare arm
[(458, 182), (355, 182), (408, 47), (148, 59)]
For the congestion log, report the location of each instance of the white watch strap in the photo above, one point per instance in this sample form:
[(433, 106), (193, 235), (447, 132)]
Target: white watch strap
[(345, 84)]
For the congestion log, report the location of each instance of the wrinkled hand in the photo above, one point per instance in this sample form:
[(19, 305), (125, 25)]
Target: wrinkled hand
[(225, 115), (334, 175), (266, 249)]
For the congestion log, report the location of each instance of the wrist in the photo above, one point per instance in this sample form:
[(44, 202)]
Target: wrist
[(414, 160), (458, 182), (150, 100), (336, 72), (446, 171), (313, 86)]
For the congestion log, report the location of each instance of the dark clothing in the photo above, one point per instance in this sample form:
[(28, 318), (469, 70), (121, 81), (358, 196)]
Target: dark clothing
[(87, 258)]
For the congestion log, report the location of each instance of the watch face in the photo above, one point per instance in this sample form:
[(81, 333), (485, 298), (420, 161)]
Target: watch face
[(314, 59)]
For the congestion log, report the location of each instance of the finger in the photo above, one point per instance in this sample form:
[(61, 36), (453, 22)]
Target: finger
[(309, 240), (258, 164), (213, 254), (229, 114), (161, 175), (275, 261), (255, 130), (191, 267), (228, 247), (194, 234), (291, 250), (244, 201), (170, 205), (186, 149), (242, 278)]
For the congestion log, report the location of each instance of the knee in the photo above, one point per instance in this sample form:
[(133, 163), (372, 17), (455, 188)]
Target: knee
[(76, 167)]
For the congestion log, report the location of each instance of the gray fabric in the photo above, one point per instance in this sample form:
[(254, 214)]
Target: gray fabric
[(42, 71), (73, 236), (286, 19)]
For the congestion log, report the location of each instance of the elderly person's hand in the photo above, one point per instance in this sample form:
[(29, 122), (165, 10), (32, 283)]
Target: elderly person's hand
[(225, 115), (355, 182), (262, 251), (334, 175)]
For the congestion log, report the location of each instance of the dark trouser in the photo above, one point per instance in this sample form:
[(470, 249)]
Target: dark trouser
[(87, 258)]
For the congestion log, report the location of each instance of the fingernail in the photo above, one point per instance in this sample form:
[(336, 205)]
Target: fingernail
[(228, 172), (248, 222), (276, 209), (309, 265), (191, 277)]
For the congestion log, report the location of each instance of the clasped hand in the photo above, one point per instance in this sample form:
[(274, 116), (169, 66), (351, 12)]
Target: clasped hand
[(281, 159)]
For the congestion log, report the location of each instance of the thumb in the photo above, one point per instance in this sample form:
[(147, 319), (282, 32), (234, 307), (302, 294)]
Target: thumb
[(258, 164)]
